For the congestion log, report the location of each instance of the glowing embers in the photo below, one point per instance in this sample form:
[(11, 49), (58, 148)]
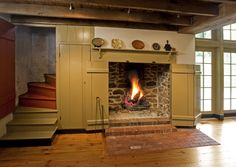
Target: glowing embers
[(134, 99)]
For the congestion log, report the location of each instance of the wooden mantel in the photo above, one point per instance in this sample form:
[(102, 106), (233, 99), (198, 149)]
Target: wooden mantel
[(133, 55)]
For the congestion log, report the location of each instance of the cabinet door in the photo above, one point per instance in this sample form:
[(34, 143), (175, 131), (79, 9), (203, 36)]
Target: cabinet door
[(184, 94), (97, 101), (179, 94), (70, 86)]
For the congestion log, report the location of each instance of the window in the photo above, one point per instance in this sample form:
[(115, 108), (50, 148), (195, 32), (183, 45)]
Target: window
[(204, 59), (229, 32), (229, 81), (204, 35)]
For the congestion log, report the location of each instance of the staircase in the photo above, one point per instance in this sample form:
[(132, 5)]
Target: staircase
[(35, 120), (40, 94), (30, 126)]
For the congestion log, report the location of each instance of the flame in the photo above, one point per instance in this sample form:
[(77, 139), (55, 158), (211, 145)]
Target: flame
[(136, 88)]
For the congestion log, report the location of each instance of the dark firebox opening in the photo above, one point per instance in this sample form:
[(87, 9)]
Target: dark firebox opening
[(134, 98), (154, 79)]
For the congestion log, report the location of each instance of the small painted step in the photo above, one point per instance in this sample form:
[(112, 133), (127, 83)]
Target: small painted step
[(28, 135), (50, 79), (29, 112), (32, 124), (41, 88), (27, 138), (34, 100)]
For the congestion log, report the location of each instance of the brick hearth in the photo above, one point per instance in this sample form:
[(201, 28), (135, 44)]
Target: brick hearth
[(137, 130)]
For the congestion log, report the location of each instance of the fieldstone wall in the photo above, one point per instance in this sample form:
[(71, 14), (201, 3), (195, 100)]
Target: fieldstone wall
[(155, 82)]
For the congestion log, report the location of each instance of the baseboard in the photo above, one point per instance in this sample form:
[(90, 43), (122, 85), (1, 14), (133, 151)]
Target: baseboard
[(230, 114), (73, 131), (217, 116)]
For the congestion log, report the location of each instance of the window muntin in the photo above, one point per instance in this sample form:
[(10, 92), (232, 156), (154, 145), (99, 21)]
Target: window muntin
[(204, 59), (204, 35), (229, 32), (229, 81)]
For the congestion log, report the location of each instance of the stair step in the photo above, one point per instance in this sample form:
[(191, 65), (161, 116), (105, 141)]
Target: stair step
[(27, 138), (32, 96), (42, 88), (34, 100), (34, 110), (50, 79), (32, 122), (28, 112), (137, 130), (28, 135), (41, 85)]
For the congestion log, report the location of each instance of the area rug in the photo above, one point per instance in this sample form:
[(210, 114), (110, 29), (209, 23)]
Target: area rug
[(182, 138)]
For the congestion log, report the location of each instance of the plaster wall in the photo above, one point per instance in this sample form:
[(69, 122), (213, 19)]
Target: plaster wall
[(35, 55), (184, 43)]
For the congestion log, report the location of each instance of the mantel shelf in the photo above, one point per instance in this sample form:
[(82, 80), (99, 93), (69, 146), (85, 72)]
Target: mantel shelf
[(160, 52)]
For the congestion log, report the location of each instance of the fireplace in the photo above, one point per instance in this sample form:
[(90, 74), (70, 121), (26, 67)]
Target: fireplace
[(139, 92)]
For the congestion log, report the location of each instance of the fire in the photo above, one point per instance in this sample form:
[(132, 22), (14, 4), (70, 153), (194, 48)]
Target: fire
[(136, 88), (134, 99)]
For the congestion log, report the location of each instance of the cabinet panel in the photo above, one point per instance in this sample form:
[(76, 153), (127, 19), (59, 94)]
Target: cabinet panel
[(179, 94), (75, 34), (64, 82), (70, 86), (75, 86), (98, 100), (185, 106), (61, 34)]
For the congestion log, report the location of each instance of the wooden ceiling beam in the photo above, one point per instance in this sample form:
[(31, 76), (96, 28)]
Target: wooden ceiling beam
[(50, 21), (92, 14), (227, 16), (192, 7), (220, 1)]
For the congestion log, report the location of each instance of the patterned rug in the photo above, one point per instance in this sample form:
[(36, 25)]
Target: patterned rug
[(182, 138)]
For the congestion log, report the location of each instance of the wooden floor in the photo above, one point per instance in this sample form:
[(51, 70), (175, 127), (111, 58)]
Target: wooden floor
[(85, 150)]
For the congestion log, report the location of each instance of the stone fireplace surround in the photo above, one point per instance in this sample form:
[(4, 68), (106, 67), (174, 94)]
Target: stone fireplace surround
[(155, 82), (184, 90)]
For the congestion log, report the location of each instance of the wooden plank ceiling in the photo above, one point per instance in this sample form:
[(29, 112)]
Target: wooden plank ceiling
[(186, 16)]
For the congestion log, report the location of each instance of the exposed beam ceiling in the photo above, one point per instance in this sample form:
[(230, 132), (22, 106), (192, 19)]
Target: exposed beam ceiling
[(28, 20), (220, 1), (227, 16), (192, 7), (186, 16), (92, 14)]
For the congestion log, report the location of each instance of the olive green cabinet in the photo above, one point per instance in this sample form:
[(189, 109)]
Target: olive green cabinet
[(185, 91)]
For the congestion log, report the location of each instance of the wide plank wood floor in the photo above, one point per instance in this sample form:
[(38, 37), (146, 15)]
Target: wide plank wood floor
[(87, 150)]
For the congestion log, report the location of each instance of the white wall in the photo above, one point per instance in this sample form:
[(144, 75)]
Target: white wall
[(184, 43), (3, 123)]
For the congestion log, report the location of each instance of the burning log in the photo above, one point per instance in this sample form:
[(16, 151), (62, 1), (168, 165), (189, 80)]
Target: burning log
[(136, 103), (134, 99)]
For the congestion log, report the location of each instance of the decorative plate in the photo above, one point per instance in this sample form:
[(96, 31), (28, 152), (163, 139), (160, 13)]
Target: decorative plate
[(137, 44), (156, 46), (98, 42), (117, 43)]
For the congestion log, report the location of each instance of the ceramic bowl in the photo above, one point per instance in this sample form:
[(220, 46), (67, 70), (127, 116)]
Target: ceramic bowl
[(138, 44), (156, 46), (98, 42)]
